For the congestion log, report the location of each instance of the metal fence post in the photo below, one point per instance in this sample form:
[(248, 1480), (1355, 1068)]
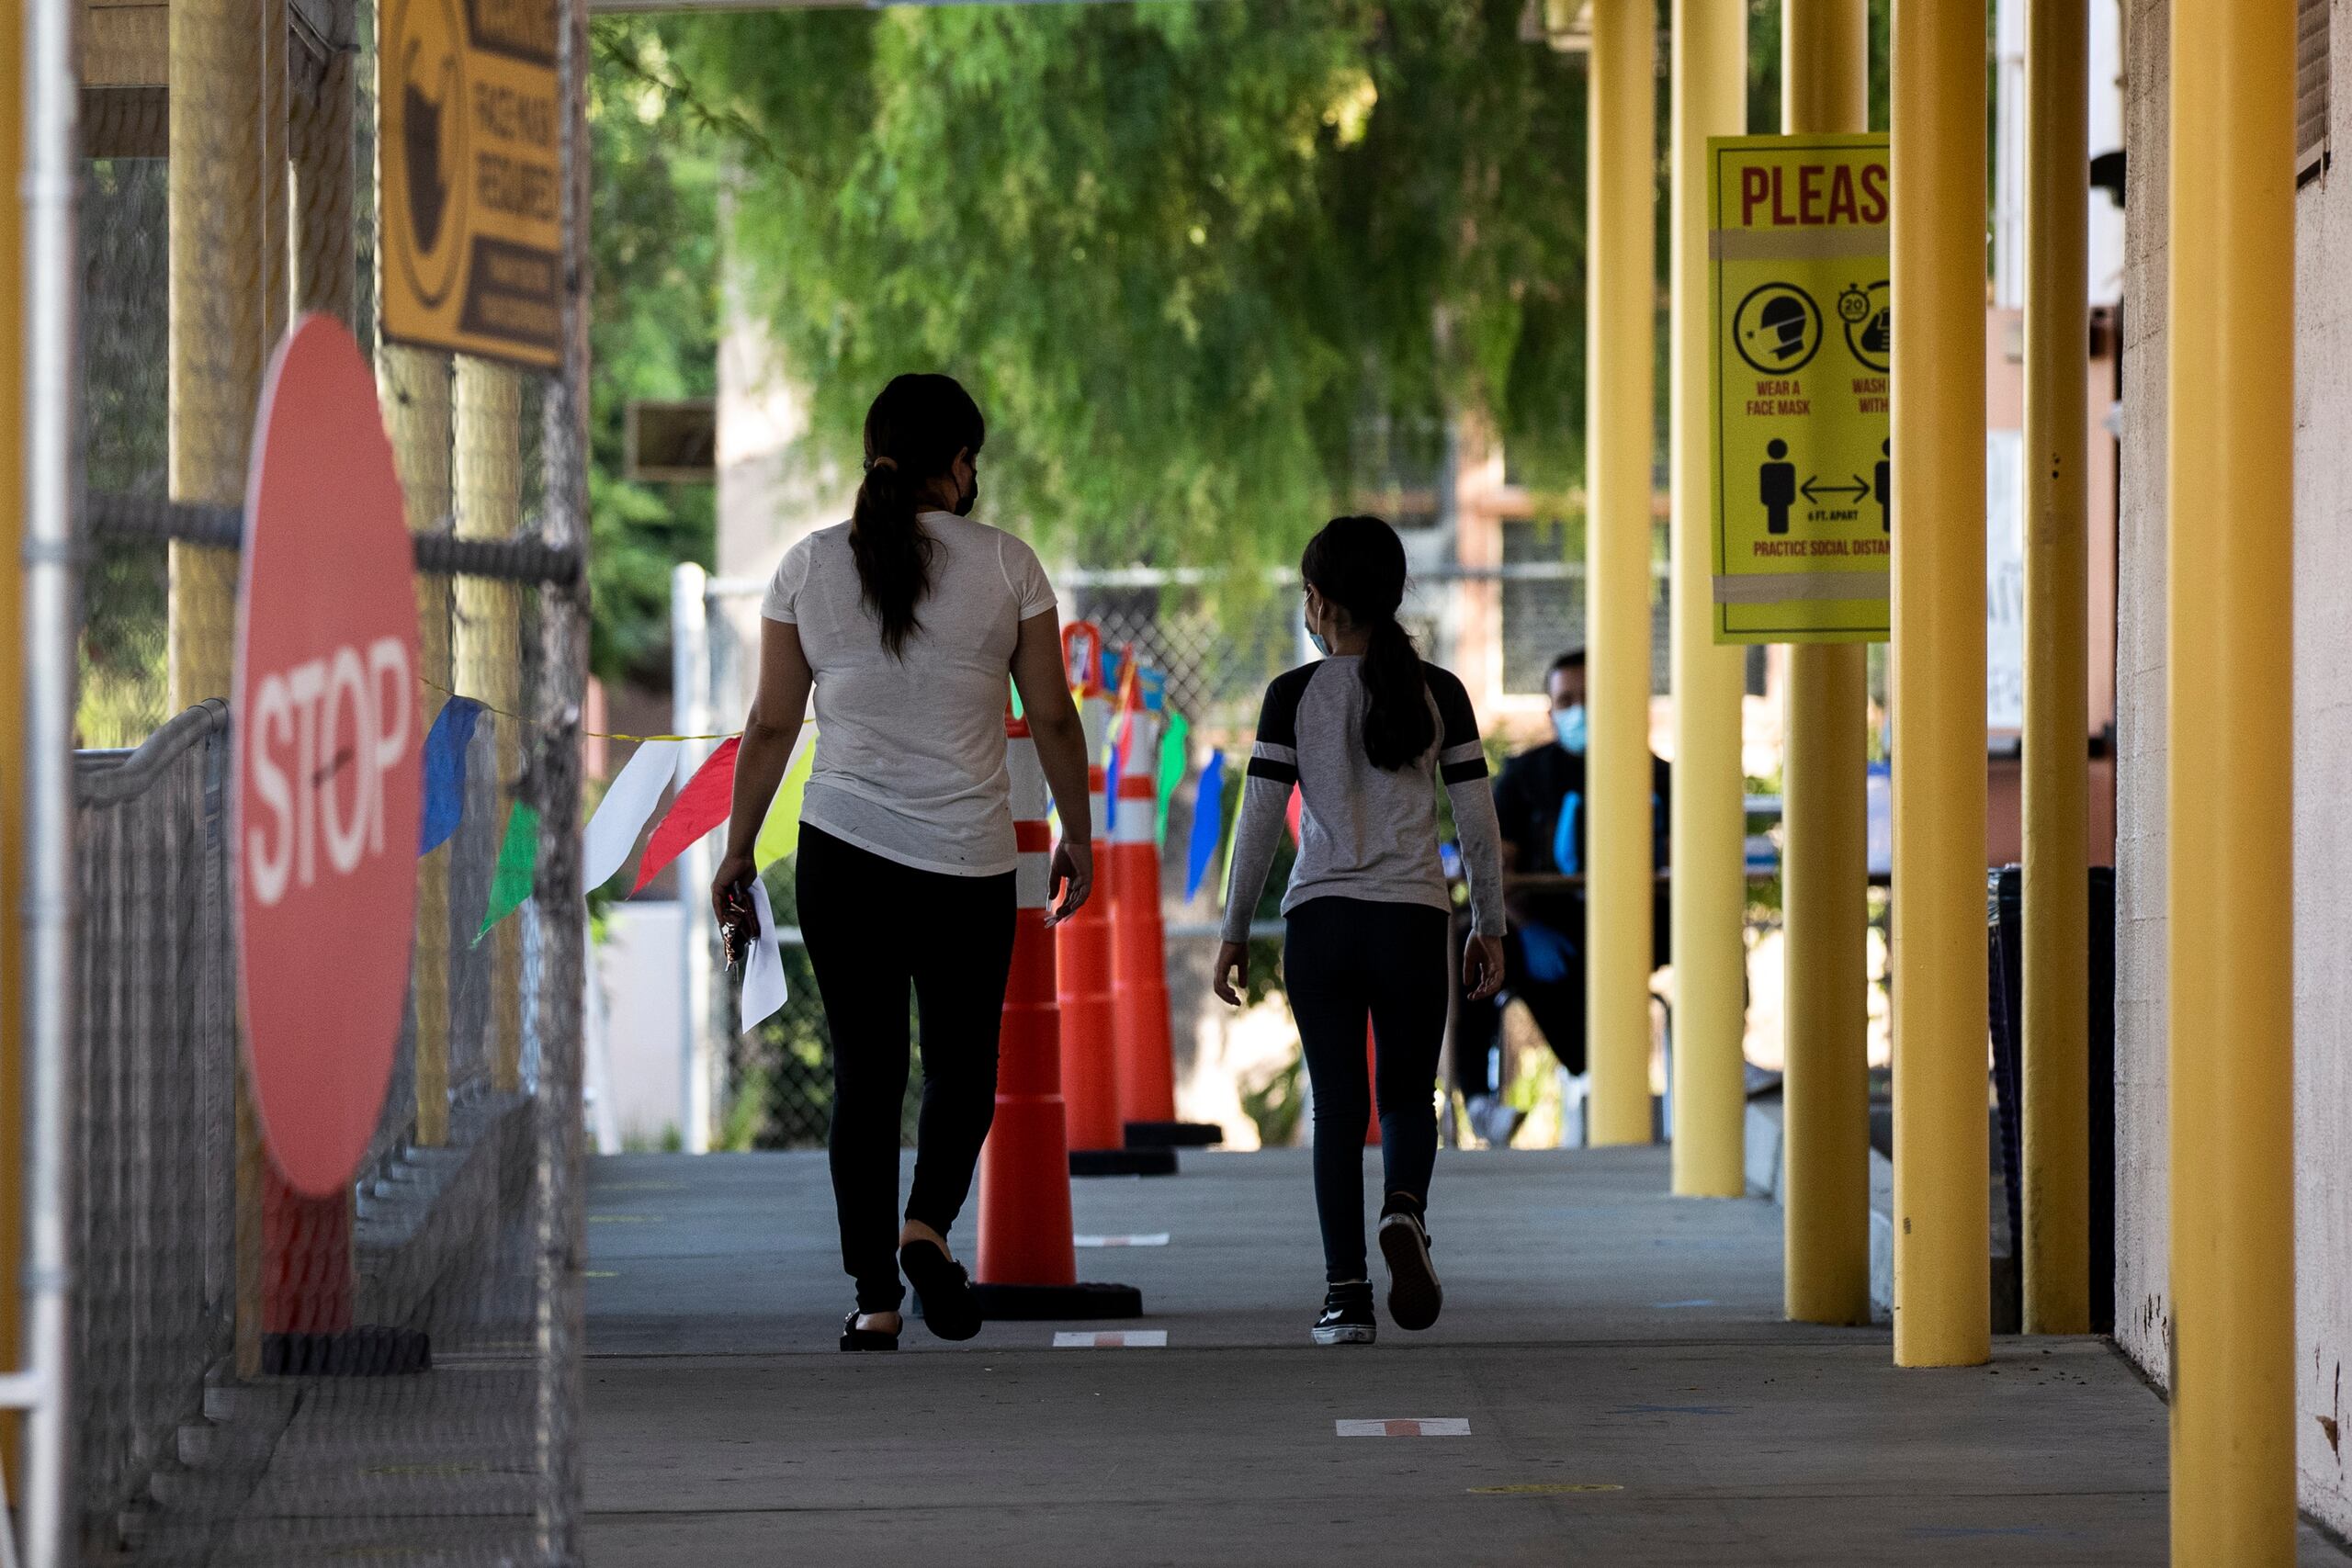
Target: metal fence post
[(51, 289), (690, 684)]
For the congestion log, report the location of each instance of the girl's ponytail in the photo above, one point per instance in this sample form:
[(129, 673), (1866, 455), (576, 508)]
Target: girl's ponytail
[(1358, 563), (914, 431)]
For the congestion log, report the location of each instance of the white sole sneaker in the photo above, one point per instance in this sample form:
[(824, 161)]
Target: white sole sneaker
[(1344, 1334), (1414, 1298)]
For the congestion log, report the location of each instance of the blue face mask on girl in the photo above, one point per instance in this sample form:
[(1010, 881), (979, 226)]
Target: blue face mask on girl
[(1567, 723)]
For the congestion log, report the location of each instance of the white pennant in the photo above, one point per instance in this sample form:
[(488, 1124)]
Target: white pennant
[(621, 817), (764, 989)]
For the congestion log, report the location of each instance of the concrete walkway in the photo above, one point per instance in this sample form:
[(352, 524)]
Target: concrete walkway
[(1611, 1384)]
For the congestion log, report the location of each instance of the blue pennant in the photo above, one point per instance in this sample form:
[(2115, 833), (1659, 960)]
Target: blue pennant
[(1208, 824), (444, 772)]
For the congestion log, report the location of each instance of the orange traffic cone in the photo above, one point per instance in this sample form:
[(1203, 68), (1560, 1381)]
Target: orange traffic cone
[(1139, 954), (1083, 948), (1027, 1266)]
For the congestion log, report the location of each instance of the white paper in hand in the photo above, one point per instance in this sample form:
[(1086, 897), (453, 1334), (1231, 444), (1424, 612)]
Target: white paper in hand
[(764, 989), (620, 816)]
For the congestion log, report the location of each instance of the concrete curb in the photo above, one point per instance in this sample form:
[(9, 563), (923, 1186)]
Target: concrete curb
[(1768, 1170)]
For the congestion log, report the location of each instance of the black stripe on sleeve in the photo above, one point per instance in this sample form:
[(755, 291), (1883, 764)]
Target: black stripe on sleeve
[(1458, 720), (1463, 771), (1278, 715), (1280, 773)]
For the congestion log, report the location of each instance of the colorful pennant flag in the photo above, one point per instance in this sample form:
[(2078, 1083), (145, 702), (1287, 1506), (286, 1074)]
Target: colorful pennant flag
[(1174, 753), (1208, 824), (1289, 815), (518, 858), (621, 816), (763, 986), (780, 829), (703, 804), (446, 746)]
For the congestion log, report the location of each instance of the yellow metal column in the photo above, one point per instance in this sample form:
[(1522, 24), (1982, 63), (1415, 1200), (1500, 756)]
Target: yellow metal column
[(12, 707), (227, 201), (2231, 539), (1710, 892), (2056, 1244), (1942, 1295), (414, 385), (488, 424), (1824, 86), (1621, 291)]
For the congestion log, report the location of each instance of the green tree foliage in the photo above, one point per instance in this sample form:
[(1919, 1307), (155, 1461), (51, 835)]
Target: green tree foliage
[(1187, 254), (653, 335)]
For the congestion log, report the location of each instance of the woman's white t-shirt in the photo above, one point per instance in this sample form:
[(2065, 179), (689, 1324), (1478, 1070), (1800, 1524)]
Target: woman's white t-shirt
[(910, 750)]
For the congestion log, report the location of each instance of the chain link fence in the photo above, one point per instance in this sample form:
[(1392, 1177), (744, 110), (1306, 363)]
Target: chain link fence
[(390, 1373)]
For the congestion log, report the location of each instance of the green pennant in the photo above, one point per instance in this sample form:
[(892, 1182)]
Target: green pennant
[(1175, 752), (518, 860)]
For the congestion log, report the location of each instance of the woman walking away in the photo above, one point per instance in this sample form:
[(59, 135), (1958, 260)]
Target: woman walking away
[(906, 619), (1365, 734)]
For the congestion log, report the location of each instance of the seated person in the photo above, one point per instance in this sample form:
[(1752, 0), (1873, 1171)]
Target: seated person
[(1541, 802)]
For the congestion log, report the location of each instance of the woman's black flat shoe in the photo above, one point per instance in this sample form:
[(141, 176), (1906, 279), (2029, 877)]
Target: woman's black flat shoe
[(950, 1305), (856, 1338)]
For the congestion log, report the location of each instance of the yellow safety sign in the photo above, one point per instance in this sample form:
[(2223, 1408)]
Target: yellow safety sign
[(472, 186), (1797, 306)]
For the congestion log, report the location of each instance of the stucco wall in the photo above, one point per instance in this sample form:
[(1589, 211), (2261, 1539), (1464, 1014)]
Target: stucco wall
[(2323, 878), (2323, 843), (2142, 1319)]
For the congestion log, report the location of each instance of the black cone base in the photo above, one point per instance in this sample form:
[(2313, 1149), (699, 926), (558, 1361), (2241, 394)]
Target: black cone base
[(1123, 1162), (1048, 1303), (1174, 1134), (352, 1353)]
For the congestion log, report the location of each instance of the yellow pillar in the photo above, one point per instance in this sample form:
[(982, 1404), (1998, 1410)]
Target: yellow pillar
[(487, 420), (2056, 1244), (1942, 1296), (2231, 539), (227, 201), (1621, 291), (415, 390), (1824, 86), (12, 707), (1709, 828)]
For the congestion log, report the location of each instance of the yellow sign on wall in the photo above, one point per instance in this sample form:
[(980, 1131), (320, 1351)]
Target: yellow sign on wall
[(1797, 296), (472, 186)]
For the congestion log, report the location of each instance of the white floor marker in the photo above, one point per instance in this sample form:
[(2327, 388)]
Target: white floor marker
[(1159, 1238), (1409, 1426), (1111, 1339)]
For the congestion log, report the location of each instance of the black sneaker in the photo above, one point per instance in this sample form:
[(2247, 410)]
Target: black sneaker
[(1347, 1315), (1415, 1297)]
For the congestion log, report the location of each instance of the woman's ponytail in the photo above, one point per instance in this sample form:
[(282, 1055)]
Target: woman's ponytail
[(1358, 563), (914, 433)]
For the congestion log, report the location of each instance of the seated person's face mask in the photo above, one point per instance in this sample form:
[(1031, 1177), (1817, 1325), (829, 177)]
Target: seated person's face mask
[(1567, 723)]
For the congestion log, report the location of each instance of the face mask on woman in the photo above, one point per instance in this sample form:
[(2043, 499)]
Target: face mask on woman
[(1567, 723)]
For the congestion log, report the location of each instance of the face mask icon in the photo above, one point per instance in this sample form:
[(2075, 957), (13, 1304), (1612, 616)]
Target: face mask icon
[(427, 149)]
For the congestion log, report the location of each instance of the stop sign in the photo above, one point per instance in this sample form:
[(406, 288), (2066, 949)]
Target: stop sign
[(327, 771)]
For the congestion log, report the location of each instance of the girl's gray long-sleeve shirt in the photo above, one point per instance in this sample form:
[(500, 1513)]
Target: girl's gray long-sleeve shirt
[(1363, 832)]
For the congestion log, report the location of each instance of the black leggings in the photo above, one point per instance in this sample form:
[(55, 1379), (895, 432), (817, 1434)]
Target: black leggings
[(875, 928), (1345, 959)]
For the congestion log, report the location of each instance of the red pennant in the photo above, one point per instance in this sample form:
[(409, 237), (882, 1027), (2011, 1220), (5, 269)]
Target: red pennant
[(703, 804), (1289, 815)]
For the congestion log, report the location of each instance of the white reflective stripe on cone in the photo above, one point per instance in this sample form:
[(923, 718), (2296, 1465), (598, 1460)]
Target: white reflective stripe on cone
[(1030, 797), (1032, 881), (1138, 814)]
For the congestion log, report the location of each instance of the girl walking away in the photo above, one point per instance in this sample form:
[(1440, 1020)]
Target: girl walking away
[(906, 621), (1365, 735)]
